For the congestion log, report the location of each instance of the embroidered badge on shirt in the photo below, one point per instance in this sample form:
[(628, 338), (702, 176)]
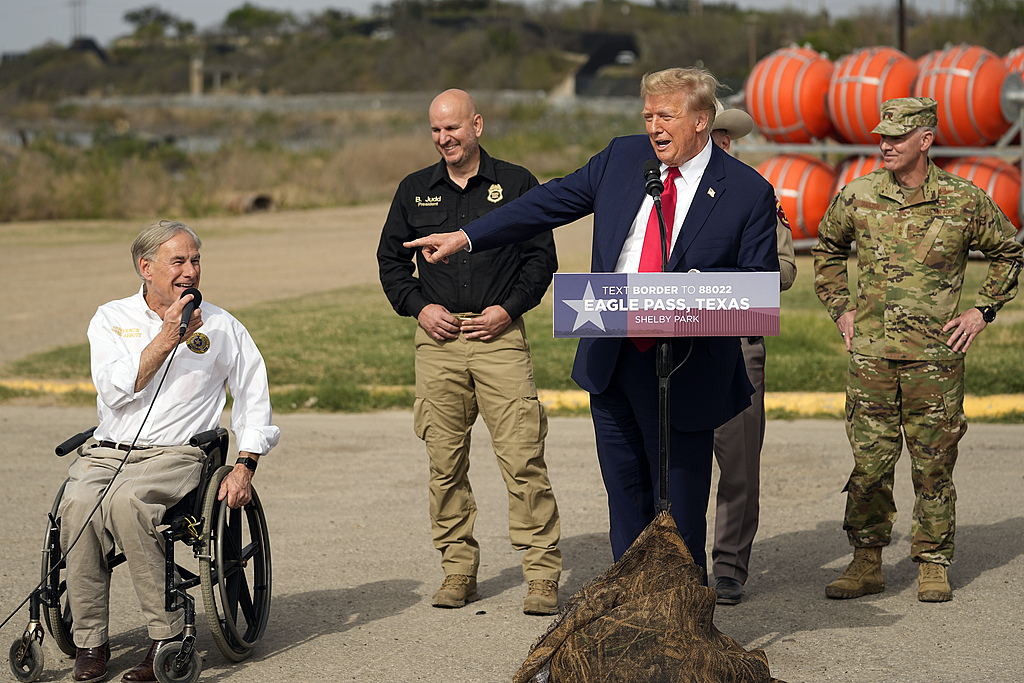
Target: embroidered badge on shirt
[(198, 343), (781, 213), (494, 193)]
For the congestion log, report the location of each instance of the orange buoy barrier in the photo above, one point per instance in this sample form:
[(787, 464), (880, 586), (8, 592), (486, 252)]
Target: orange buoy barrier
[(966, 81), (1014, 60), (860, 82), (999, 178), (803, 185), (854, 167), (926, 59), (785, 95)]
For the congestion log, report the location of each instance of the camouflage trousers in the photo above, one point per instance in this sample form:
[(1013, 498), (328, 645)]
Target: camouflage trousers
[(885, 401)]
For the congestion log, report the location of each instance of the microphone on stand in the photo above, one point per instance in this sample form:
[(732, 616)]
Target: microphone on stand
[(654, 187), (186, 313), (652, 174)]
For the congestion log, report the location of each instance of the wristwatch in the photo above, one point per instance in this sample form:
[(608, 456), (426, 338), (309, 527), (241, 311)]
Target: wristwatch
[(248, 462), (987, 312)]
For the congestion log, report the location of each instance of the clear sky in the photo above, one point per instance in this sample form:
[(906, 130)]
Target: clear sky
[(25, 24)]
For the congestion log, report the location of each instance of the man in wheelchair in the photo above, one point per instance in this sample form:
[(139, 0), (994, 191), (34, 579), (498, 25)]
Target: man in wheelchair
[(145, 422)]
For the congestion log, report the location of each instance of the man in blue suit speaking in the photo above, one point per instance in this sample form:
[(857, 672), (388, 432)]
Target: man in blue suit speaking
[(723, 218)]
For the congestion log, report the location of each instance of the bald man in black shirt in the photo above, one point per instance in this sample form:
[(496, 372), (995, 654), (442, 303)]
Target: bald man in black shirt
[(472, 354)]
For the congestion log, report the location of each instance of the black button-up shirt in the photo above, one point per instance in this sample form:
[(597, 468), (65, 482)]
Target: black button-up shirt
[(514, 277)]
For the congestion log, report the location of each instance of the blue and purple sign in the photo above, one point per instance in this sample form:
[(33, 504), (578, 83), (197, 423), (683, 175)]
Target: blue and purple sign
[(720, 304)]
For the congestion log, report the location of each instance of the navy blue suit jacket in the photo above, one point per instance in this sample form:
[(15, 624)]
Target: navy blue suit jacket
[(729, 226)]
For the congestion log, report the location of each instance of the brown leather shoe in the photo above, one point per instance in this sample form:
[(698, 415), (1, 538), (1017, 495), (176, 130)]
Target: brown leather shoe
[(143, 673), (91, 663)]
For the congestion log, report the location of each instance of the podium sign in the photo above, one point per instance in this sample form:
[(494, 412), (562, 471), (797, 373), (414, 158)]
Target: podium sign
[(719, 304)]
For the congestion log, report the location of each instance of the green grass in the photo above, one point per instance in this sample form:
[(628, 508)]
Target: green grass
[(347, 350), (64, 362), (805, 357), (6, 393), (809, 354)]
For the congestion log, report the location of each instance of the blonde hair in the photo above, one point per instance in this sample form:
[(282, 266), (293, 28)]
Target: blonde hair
[(699, 84), (153, 235)]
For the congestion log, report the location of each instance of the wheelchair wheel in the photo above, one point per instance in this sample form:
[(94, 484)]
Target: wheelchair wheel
[(58, 614), (29, 665), (234, 570), (163, 665)]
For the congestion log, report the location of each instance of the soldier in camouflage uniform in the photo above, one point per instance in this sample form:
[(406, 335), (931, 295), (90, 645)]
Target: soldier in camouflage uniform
[(914, 225)]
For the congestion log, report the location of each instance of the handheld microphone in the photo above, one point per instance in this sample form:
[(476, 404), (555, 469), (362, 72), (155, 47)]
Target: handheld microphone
[(652, 174), (186, 313)]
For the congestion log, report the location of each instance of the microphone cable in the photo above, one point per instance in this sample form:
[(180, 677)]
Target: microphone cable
[(65, 551)]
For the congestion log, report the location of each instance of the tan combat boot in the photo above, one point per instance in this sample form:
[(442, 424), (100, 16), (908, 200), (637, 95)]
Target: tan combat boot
[(541, 597), (456, 591), (862, 577), (932, 584)]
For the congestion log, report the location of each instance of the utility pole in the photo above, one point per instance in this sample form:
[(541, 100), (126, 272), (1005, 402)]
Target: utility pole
[(902, 38), (751, 22), (77, 18)]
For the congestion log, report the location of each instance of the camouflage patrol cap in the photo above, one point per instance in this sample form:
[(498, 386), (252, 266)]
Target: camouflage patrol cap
[(904, 114)]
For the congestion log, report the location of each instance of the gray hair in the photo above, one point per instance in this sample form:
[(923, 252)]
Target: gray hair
[(699, 84), (153, 235)]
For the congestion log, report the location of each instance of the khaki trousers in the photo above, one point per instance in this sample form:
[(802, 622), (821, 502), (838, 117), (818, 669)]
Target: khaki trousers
[(151, 481), (738, 451), (455, 381)]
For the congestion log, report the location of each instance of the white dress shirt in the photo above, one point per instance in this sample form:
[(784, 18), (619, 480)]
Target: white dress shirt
[(192, 397), (690, 174)]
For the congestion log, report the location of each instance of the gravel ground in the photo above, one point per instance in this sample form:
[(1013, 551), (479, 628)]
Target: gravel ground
[(354, 569)]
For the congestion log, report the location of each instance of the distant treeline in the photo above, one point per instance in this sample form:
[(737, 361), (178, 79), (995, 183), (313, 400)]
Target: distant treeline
[(429, 45), (61, 159)]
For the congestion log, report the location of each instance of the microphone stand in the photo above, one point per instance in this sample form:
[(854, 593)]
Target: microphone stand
[(664, 369)]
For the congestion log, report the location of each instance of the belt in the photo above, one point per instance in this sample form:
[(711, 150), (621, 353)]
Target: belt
[(122, 446)]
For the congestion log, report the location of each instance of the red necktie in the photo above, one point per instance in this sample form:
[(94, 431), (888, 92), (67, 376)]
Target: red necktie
[(650, 256)]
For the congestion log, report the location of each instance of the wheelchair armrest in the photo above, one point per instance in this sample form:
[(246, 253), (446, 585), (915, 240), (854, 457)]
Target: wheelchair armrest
[(203, 438), (74, 442)]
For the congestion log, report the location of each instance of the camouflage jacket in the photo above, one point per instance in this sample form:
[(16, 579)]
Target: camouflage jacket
[(911, 259)]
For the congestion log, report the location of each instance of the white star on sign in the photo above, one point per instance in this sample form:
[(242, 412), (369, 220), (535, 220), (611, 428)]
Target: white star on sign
[(584, 316)]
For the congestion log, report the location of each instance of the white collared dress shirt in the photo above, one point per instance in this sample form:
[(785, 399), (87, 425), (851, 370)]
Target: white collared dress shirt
[(220, 355), (690, 174)]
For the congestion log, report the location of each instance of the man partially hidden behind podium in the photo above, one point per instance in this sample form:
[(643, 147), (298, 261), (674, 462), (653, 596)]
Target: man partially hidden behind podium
[(738, 442), (131, 342), (723, 220)]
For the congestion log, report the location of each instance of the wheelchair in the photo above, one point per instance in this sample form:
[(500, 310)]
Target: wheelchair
[(233, 553)]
